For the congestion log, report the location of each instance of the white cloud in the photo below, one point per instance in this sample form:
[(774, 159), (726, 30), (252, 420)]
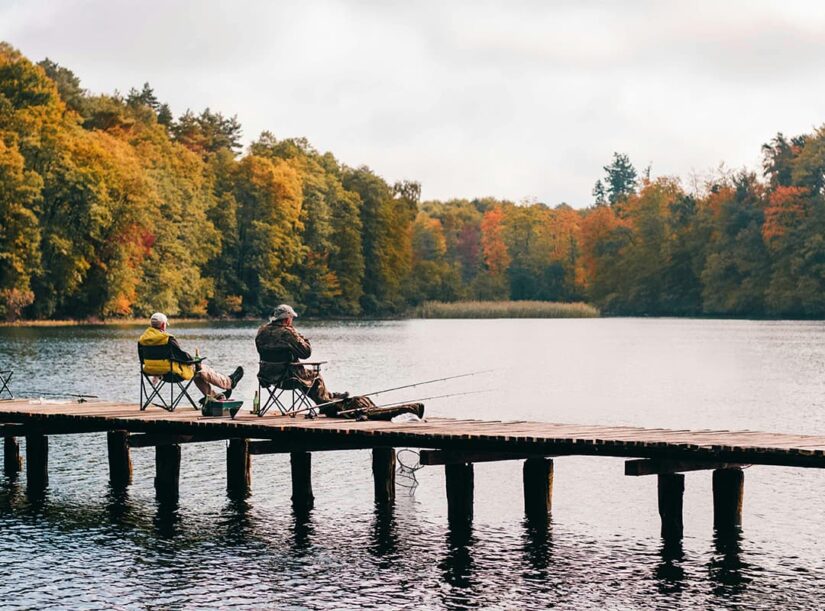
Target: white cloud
[(510, 99)]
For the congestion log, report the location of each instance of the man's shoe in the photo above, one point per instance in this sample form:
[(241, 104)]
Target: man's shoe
[(225, 395), (236, 376)]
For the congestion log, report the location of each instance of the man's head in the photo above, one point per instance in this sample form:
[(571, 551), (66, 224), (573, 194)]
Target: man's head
[(283, 314), (159, 321)]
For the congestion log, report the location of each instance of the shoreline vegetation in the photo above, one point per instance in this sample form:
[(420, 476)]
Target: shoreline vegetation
[(429, 309), (112, 208), (505, 309)]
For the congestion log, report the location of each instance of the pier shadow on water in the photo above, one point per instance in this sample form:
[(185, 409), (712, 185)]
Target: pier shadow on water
[(727, 570), (458, 566), (384, 535), (669, 572), (537, 546)]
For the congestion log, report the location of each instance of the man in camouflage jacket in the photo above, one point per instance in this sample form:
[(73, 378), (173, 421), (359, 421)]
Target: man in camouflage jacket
[(280, 347)]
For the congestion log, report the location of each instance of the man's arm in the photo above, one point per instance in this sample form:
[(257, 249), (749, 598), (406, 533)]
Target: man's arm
[(299, 345), (177, 352)]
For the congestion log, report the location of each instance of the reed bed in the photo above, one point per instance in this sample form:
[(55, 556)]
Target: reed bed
[(505, 309)]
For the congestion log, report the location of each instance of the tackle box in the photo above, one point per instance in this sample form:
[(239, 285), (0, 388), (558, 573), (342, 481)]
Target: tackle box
[(212, 407)]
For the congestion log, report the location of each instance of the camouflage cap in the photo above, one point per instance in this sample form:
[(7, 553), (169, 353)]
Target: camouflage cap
[(283, 311)]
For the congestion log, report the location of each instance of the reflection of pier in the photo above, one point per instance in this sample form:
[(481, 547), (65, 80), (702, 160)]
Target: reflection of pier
[(456, 444)]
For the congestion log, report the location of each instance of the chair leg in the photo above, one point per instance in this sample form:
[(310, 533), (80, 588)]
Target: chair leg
[(4, 380), (183, 392), (156, 392)]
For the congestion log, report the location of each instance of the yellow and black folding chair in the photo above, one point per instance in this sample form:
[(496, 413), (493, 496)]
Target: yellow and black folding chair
[(152, 382)]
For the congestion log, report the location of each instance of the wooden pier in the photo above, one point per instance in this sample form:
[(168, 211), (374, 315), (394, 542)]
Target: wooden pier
[(455, 444)]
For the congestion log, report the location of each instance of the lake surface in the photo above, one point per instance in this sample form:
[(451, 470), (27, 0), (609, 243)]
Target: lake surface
[(83, 546)]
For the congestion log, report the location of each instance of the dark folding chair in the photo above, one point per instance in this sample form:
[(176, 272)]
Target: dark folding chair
[(5, 378), (286, 390), (152, 384)]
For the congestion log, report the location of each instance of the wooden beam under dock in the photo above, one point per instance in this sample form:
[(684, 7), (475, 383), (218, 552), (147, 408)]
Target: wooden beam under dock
[(304, 444), (661, 467), (151, 440), (448, 457)]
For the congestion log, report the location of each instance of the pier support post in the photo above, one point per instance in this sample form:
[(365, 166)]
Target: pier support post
[(167, 471), (538, 487), (120, 460), (460, 483), (238, 467), (12, 461), (728, 492), (671, 494), (301, 465), (383, 473), (37, 461)]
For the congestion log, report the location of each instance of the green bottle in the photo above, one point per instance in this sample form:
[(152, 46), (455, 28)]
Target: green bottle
[(256, 403)]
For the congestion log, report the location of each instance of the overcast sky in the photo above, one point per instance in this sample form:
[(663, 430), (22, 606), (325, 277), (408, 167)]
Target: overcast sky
[(509, 99)]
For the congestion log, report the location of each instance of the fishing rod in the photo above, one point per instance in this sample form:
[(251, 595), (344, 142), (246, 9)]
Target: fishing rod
[(379, 392), (455, 394), (61, 394)]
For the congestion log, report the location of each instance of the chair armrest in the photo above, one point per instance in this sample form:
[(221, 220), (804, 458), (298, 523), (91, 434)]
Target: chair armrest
[(194, 361)]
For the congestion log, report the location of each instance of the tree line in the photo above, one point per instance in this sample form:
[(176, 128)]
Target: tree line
[(112, 207)]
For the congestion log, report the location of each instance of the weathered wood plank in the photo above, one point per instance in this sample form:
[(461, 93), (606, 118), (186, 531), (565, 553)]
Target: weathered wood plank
[(447, 457), (658, 467)]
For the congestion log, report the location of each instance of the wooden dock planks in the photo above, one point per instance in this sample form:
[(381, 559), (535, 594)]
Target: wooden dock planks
[(745, 447)]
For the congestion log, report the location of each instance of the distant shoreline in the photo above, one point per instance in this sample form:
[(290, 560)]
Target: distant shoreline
[(430, 311)]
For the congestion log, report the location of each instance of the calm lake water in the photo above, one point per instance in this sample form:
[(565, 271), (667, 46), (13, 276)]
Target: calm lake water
[(82, 546)]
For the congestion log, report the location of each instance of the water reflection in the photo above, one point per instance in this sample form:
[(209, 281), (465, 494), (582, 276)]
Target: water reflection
[(458, 566), (303, 530), (537, 546), (236, 520), (726, 568), (117, 505), (167, 519), (669, 572), (384, 535)]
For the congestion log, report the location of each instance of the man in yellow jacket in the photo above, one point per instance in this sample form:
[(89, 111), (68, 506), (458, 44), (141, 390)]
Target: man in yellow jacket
[(156, 346)]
